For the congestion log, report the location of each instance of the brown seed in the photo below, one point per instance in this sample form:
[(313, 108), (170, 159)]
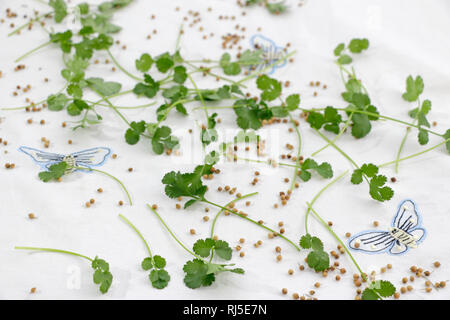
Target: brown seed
[(437, 264), (284, 291), (192, 231), (154, 207), (130, 169), (99, 190), (87, 204), (295, 296), (375, 223), (290, 272), (396, 295), (279, 257), (317, 284), (91, 201), (120, 203), (205, 218), (242, 254), (33, 290), (31, 216)]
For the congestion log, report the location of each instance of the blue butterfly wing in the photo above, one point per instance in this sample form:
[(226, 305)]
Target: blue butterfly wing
[(371, 241), (270, 51), (93, 157), (407, 217), (42, 158)]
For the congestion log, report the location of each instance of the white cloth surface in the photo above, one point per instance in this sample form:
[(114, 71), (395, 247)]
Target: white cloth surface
[(406, 37)]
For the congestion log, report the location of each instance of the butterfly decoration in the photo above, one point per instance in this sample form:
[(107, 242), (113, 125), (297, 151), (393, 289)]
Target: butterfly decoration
[(270, 52), (404, 234), (88, 158)]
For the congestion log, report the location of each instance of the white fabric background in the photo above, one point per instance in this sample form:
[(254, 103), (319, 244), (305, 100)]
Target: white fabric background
[(406, 37)]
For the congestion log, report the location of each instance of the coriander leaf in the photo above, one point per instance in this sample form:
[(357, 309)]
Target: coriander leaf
[(360, 125), (316, 244), (414, 88), (132, 135), (186, 184), (358, 45), (324, 169), (249, 58), (229, 68), (189, 203), (271, 88), (378, 190), (164, 62), (276, 8), (144, 63), (60, 9), (293, 102), (57, 102), (203, 247), (160, 262), (159, 278), (64, 39), (357, 176), (305, 241), (55, 171), (369, 294), (344, 59), (369, 169), (250, 113), (338, 50), (318, 260), (196, 273), (106, 88), (84, 8), (102, 276), (179, 74), (446, 136), (147, 264), (316, 120), (422, 137), (222, 249), (384, 288)]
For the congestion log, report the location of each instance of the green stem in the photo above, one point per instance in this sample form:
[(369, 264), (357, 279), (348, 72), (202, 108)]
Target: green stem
[(200, 96), (208, 71), (346, 125), (337, 149), (222, 210), (172, 234), (54, 250), (122, 68), (112, 177), (318, 195), (297, 161), (172, 106), (402, 143), (138, 233), (28, 23), (338, 239), (32, 51), (104, 98), (392, 119), (414, 155), (252, 221)]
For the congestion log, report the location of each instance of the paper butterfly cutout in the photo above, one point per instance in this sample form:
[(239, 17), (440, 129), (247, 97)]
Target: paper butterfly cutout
[(93, 157), (270, 52), (404, 234)]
